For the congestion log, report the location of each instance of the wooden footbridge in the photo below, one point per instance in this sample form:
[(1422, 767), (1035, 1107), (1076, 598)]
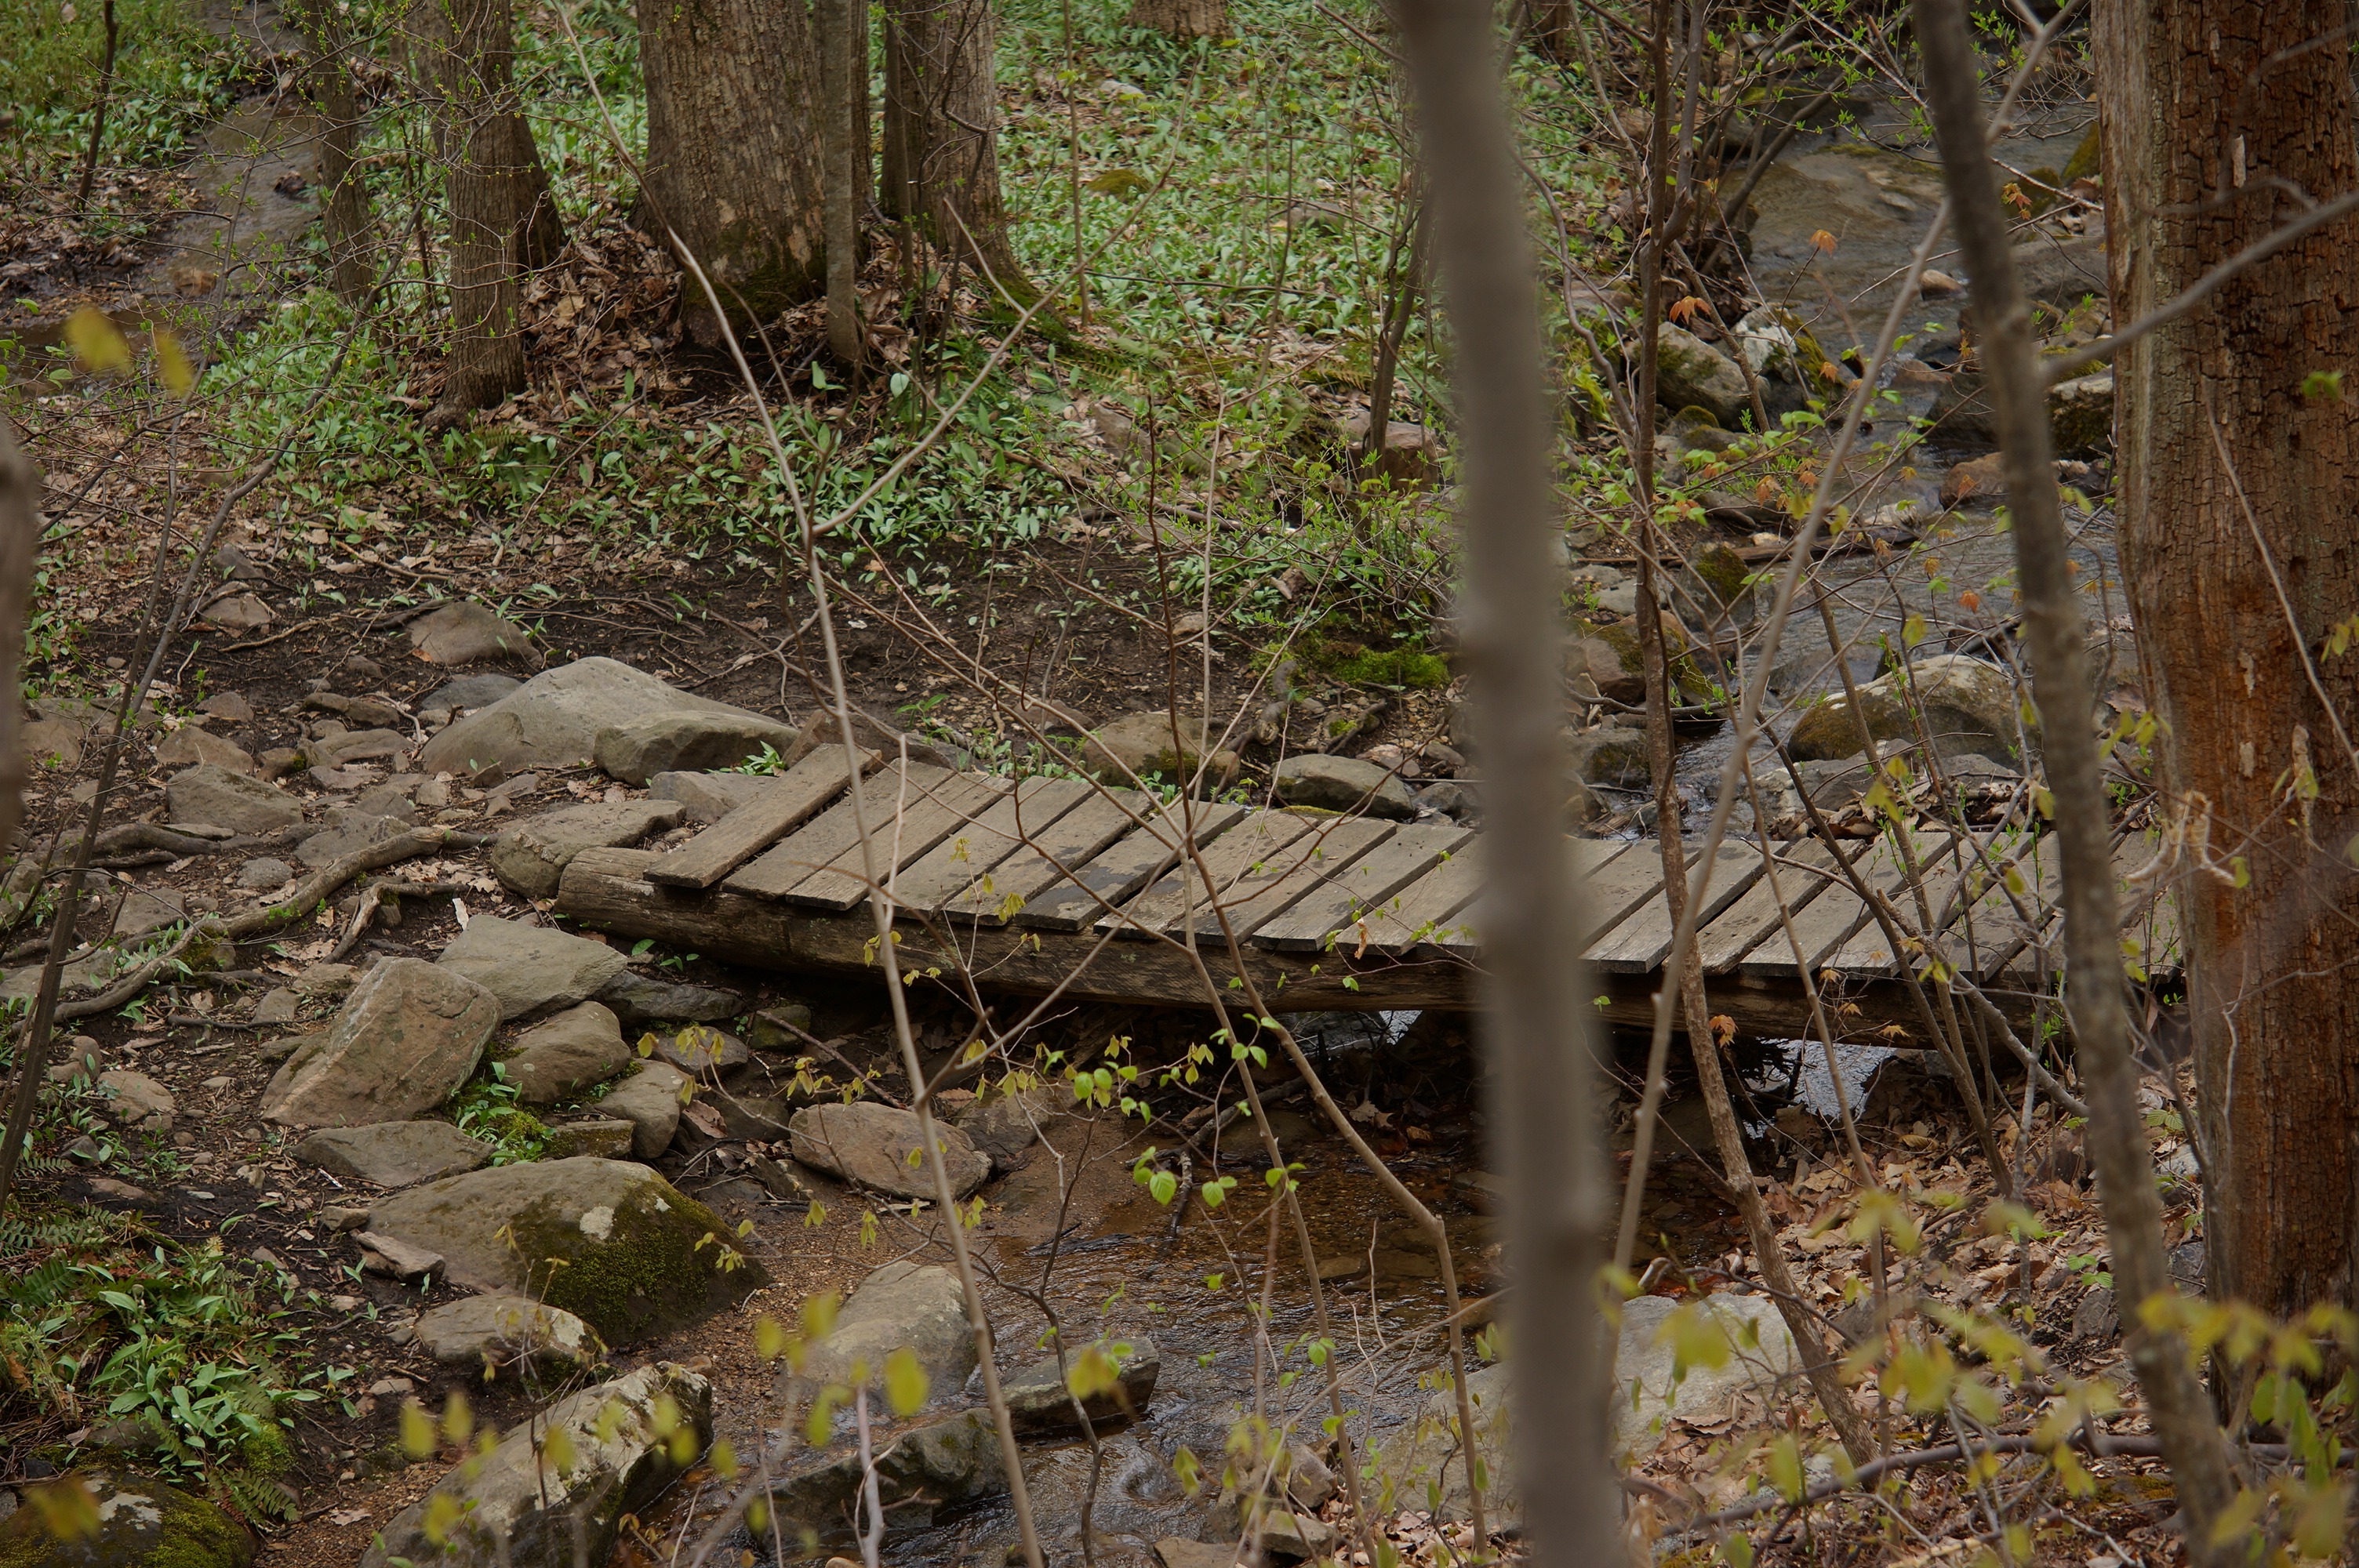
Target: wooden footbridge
[(1056, 884)]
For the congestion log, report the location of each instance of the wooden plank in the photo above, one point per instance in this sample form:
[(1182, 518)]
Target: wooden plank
[(1755, 918), (787, 865), (951, 867), (1869, 952), (1833, 918), (1245, 856), (1425, 913), (754, 827), (1990, 934), (1642, 943), (1075, 901), (1252, 900), (919, 822), (1613, 884), (1363, 887)]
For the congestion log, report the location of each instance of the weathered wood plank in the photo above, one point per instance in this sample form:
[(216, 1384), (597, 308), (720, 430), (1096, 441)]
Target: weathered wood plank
[(1643, 942), (1804, 870), (1363, 888), (752, 828), (1606, 893), (787, 865), (1833, 918), (916, 824), (1245, 856), (951, 867), (1260, 896), (1116, 875), (1064, 846), (1426, 914), (1869, 951), (1991, 935)]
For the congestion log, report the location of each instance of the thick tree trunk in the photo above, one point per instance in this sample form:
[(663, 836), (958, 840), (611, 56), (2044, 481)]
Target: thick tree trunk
[(1181, 19), (843, 77), (2237, 499), (941, 134), (734, 153), (343, 195), (501, 214)]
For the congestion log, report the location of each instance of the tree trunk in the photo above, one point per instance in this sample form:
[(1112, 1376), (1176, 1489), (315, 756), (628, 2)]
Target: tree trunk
[(2236, 498), (1181, 19), (501, 214), (735, 155), (343, 194), (942, 135), (843, 77)]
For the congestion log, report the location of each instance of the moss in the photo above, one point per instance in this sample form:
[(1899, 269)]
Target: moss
[(1723, 570), (190, 1533), (639, 1280), (2086, 158), (1622, 636), (1409, 667)]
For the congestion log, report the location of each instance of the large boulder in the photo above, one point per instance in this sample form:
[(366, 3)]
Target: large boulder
[(1970, 706), (1612, 754), (945, 1461), (553, 720), (394, 1153), (466, 633), (1138, 744), (1758, 1353), (502, 1332), (871, 1144), (1691, 374), (608, 1241), (409, 1035), (901, 1306), (684, 739), (211, 793), (141, 1523), (562, 1055), (1342, 784), (532, 856), (627, 1440), (529, 967), (649, 1100)]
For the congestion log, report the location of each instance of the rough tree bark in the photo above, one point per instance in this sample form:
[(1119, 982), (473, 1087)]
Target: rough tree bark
[(344, 195), (942, 135), (2236, 500), (1181, 19), (2097, 985), (20, 541), (734, 149), (1532, 1027), (844, 138), (501, 214)]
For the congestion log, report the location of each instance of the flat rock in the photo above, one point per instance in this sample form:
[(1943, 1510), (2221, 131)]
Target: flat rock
[(530, 966), (1426, 1453), (149, 909), (1342, 784), (608, 1241), (1761, 1352), (902, 1306), (210, 793), (709, 796), (135, 1100), (355, 746), (470, 692), (1611, 754), (513, 1506), (532, 856), (394, 1153), (467, 633), (870, 1144), (702, 1051), (54, 743), (649, 1100), (393, 1258), (1138, 744), (262, 873), (554, 718), (1039, 1397), (141, 1523), (605, 1137), (637, 1000), (356, 830), (188, 746), (685, 740), (409, 1035), (1692, 373), (237, 612), (504, 1332), (565, 1055), (229, 706), (1175, 1552)]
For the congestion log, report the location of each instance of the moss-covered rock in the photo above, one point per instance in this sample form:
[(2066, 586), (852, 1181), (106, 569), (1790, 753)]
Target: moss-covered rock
[(1786, 358), (608, 1241), (1968, 707), (1689, 371), (1621, 637), (2081, 412), (2087, 157), (139, 1523), (1612, 755)]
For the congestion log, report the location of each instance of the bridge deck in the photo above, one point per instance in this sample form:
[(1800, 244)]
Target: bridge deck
[(1053, 884)]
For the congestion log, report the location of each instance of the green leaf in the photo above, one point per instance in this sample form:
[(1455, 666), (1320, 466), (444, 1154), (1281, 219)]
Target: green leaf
[(1162, 1186), (905, 1382)]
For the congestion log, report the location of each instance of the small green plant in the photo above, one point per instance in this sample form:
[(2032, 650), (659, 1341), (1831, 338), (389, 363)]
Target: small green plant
[(487, 1110), (767, 761)]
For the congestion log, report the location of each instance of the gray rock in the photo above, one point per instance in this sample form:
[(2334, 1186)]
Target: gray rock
[(471, 691), (1454, 798), (395, 1259), (135, 1100), (2096, 1317), (943, 1463), (208, 793), (237, 612), (513, 1506), (394, 1153), (1593, 672), (901, 1306), (326, 980), (2081, 412), (189, 746), (355, 746), (608, 1241), (636, 999), (54, 743), (356, 830), (1424, 1462), (144, 910), (690, 739), (1342, 784), (578, 1048), (278, 1005), (708, 797), (1040, 1400), (604, 1138), (1612, 755), (532, 856), (1969, 707), (529, 967), (409, 1035), (1177, 1551), (502, 1332), (391, 798), (228, 706), (870, 1144), (262, 873), (702, 1051), (1138, 744), (1691, 374), (141, 1523), (553, 720), (649, 1100), (1643, 1363), (466, 634), (1004, 1127), (786, 1027)]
